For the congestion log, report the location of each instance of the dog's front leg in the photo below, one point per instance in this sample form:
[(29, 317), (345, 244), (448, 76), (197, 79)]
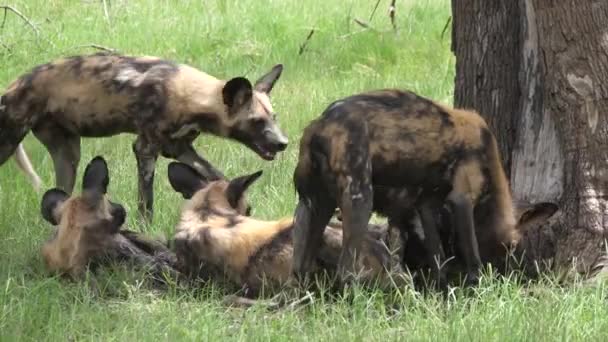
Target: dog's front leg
[(146, 155)]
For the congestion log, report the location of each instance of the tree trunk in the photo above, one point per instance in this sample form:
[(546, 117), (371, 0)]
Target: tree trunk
[(537, 70)]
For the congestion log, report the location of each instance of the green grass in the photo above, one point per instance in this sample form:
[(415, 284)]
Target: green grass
[(246, 37)]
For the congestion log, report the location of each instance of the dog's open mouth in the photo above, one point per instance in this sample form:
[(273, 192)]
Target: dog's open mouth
[(264, 152)]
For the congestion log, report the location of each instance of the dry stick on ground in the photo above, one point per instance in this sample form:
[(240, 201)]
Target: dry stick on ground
[(391, 14), (446, 26), (7, 8), (96, 46), (364, 24), (371, 16), (3, 19), (6, 47), (303, 45), (270, 304)]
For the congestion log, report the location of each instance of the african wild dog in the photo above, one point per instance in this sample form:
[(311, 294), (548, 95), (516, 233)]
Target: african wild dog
[(215, 239), (88, 230), (409, 249), (394, 152), (167, 105)]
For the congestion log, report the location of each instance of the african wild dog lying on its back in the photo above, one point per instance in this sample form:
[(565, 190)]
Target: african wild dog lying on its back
[(397, 153), (88, 230), (165, 104), (216, 239)]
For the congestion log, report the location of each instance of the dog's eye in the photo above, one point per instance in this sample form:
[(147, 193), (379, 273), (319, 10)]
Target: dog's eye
[(258, 123)]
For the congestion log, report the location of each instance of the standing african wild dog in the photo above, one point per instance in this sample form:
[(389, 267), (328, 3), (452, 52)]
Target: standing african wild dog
[(409, 249), (216, 239), (167, 105), (394, 152), (88, 230)]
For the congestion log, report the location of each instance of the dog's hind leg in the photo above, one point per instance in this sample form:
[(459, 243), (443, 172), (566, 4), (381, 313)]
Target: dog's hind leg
[(64, 148), (432, 244), (354, 184), (11, 135), (462, 220), (8, 145), (311, 217)]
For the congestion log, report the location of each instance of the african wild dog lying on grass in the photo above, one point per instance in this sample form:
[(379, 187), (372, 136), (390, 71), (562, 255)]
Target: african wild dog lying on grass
[(88, 230), (216, 239), (165, 104), (394, 152)]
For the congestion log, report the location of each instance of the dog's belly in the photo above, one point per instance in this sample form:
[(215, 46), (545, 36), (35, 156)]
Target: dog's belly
[(93, 124)]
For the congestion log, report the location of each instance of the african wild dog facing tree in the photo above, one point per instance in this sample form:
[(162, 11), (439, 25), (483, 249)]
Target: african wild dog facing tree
[(167, 105), (88, 230), (544, 91), (392, 151), (216, 239), (408, 249)]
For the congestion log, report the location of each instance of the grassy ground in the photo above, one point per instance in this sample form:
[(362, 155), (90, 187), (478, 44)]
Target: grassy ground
[(230, 38)]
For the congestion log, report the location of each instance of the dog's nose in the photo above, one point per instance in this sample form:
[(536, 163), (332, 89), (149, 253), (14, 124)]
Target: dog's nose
[(280, 146), (277, 139)]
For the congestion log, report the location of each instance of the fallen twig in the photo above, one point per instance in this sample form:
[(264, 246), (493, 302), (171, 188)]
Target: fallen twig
[(6, 47), (347, 35), (371, 16), (391, 14), (446, 26), (305, 43), (96, 46), (243, 302), (3, 20), (307, 298), (7, 8), (362, 24)]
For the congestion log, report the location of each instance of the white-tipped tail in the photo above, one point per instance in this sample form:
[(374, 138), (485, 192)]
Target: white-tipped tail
[(26, 166)]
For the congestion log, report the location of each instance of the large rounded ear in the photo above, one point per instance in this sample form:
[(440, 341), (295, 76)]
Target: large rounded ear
[(51, 200), (536, 214), (184, 179), (265, 83), (96, 176), (238, 186), (237, 92)]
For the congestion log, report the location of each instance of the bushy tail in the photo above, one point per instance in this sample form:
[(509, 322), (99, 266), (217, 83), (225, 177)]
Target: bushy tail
[(11, 135), (26, 166), (505, 215)]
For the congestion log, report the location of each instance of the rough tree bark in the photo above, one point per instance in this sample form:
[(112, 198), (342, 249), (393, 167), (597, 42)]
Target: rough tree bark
[(537, 70)]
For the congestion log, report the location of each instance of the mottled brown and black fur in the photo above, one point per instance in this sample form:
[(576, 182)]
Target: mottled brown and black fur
[(166, 104), (408, 248), (88, 230), (215, 239), (399, 154)]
